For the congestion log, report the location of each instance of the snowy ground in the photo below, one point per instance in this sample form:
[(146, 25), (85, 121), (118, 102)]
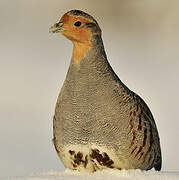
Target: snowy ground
[(102, 175)]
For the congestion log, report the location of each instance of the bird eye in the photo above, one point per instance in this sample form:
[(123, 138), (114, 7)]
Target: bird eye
[(77, 23)]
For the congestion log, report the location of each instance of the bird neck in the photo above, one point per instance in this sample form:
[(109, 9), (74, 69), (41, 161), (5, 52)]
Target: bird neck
[(89, 65), (80, 50)]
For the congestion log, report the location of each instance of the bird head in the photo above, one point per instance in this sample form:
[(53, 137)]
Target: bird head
[(77, 26)]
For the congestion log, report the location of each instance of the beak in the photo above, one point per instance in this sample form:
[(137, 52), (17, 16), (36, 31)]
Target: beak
[(57, 28)]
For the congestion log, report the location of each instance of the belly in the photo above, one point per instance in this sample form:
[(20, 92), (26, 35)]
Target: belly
[(91, 157)]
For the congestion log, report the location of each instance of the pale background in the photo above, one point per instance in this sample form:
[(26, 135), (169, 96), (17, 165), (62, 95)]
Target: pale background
[(141, 38)]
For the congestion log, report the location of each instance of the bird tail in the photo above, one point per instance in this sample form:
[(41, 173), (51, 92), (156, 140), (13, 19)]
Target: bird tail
[(158, 162)]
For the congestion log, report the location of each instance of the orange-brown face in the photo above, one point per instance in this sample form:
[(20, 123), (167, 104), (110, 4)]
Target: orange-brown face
[(79, 30), (74, 28)]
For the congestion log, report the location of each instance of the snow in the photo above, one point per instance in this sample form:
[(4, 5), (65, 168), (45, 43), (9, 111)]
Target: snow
[(102, 175)]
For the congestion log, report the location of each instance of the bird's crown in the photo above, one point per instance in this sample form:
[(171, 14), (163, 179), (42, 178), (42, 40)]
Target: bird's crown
[(82, 14)]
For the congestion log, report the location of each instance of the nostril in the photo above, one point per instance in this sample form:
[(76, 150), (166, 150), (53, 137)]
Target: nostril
[(60, 24)]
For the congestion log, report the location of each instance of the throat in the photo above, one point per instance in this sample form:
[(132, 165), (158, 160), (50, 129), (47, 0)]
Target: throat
[(80, 50)]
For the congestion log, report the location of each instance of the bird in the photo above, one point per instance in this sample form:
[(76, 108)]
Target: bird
[(99, 123)]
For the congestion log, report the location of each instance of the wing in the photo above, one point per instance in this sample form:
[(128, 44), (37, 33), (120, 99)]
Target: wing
[(146, 121)]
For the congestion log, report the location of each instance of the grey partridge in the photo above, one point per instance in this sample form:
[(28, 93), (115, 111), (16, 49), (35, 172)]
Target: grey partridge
[(99, 122)]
